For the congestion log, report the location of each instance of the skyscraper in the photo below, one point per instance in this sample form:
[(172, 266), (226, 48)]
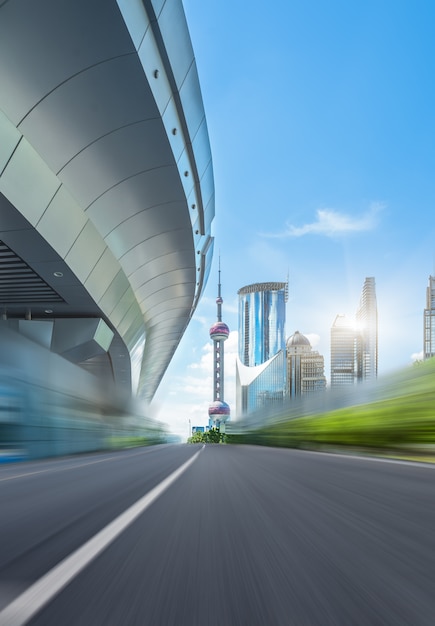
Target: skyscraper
[(343, 352), (367, 337), (305, 367), (354, 342), (261, 322), (261, 363), (219, 410), (429, 320)]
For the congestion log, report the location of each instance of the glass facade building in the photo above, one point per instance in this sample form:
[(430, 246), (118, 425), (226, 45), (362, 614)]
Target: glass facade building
[(260, 387), (343, 352), (261, 364), (367, 338), (429, 320), (354, 342), (261, 322)]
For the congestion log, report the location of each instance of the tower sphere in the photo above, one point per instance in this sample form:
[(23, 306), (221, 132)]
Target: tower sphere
[(219, 409), (219, 330)]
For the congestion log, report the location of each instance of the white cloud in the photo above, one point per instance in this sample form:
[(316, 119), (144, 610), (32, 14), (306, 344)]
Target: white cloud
[(332, 223), (314, 339), (205, 364), (417, 356)]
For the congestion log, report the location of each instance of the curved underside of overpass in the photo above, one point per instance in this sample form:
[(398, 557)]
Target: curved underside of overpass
[(106, 182)]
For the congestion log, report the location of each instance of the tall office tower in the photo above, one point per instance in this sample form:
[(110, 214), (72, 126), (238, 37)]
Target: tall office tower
[(261, 322), (261, 363), (305, 367), (343, 352), (219, 410), (354, 343), (367, 339), (429, 320)]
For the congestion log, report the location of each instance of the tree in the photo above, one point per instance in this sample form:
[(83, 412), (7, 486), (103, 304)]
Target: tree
[(211, 436), (197, 437)]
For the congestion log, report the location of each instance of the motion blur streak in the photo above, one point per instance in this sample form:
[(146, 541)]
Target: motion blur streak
[(32, 600), (395, 414), (247, 535), (50, 408)]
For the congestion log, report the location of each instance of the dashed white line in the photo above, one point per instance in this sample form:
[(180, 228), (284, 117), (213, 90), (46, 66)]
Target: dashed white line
[(23, 608)]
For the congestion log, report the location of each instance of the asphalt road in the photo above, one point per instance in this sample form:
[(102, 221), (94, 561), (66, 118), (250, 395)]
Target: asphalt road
[(244, 536)]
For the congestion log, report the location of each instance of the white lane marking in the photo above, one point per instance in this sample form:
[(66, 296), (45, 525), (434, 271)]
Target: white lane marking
[(68, 467), (23, 608)]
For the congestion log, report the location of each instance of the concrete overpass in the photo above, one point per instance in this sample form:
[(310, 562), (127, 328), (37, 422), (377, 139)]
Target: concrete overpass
[(106, 184)]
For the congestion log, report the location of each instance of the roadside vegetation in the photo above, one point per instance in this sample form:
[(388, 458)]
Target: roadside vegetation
[(151, 438), (402, 420), (211, 436)]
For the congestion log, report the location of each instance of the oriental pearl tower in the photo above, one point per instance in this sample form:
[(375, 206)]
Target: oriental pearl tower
[(219, 410)]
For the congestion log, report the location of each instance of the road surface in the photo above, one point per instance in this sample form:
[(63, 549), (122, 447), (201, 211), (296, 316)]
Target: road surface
[(241, 535)]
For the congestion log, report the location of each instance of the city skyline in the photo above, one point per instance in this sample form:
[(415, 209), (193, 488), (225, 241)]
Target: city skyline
[(199, 376), (321, 128)]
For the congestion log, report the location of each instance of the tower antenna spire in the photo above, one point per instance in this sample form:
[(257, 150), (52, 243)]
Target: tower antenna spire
[(219, 300)]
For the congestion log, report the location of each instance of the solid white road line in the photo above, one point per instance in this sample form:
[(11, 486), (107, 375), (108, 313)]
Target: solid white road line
[(23, 608)]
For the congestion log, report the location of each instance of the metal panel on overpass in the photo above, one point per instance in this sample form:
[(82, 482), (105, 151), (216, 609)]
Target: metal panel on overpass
[(106, 179)]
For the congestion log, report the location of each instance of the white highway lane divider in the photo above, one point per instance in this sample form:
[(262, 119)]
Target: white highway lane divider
[(31, 601)]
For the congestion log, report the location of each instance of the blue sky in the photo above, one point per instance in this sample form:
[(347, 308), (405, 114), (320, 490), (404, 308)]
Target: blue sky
[(321, 116)]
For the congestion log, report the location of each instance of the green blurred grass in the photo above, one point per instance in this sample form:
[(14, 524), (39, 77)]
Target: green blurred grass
[(402, 421), (118, 443)]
